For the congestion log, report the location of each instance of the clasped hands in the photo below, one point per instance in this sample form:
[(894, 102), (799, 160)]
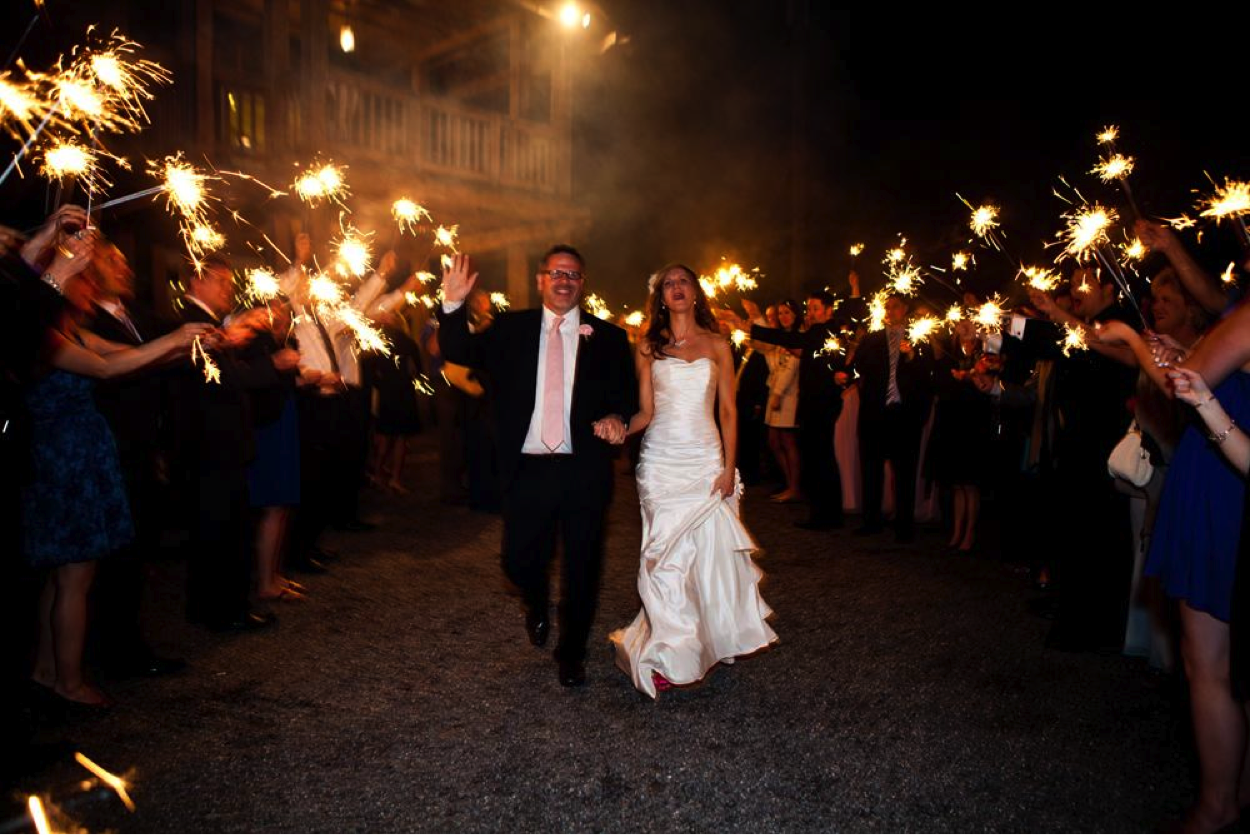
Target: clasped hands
[(610, 429)]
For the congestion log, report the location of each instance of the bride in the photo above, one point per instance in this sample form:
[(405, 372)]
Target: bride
[(699, 587)]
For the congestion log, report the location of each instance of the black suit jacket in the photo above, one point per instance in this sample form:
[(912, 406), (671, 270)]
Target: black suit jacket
[(915, 376), (507, 352), (818, 393), (132, 405)]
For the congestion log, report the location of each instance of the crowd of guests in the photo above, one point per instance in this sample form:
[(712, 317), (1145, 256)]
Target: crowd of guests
[(115, 442)]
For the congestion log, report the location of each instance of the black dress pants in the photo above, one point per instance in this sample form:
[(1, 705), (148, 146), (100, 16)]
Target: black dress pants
[(890, 435)]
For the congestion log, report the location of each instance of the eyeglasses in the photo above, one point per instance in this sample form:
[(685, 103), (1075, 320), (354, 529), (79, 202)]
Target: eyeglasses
[(571, 275)]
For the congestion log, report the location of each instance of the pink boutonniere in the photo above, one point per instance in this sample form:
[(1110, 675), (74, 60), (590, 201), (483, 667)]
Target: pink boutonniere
[(585, 331)]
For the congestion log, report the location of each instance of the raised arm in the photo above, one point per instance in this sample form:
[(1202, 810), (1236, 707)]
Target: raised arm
[(1224, 349), (1119, 335), (1205, 289), (454, 338)]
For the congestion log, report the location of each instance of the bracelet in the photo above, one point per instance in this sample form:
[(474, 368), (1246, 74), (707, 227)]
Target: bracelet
[(1219, 439), (1202, 403), (47, 279)]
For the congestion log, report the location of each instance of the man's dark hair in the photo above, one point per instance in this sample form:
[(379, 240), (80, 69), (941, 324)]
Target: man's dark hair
[(826, 298), (564, 249)]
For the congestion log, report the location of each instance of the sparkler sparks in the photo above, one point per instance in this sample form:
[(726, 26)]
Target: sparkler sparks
[(408, 214), (921, 329), (412, 298), (20, 104), (500, 301), (598, 307), (1113, 167), (65, 159), (990, 314), (1074, 339), (325, 291), (352, 254), (37, 815), (1086, 229), (1040, 278), (739, 337), (1134, 250), (955, 314), (984, 220), (324, 181), (184, 187), (832, 346), (368, 337), (212, 374), (960, 261), (109, 779), (445, 236), (262, 284), (635, 319), (709, 286), (204, 238), (1109, 135), (126, 80), (1227, 276), (856, 249), (876, 311), (1230, 200)]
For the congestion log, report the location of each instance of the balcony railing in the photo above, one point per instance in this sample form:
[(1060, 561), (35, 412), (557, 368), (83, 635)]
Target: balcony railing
[(364, 119)]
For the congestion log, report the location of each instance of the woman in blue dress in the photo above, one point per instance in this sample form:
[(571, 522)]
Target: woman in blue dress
[(74, 508)]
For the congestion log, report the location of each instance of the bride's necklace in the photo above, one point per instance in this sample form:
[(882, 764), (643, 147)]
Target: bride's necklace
[(677, 343)]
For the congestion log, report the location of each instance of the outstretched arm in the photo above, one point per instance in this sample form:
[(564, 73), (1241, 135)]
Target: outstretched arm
[(69, 356)]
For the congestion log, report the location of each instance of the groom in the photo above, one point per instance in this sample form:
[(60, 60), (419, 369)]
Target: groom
[(553, 374)]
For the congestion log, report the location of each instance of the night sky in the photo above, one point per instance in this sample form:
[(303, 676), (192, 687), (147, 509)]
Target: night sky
[(684, 132)]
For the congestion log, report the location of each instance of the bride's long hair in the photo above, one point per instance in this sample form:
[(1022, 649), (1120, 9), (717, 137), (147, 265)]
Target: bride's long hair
[(659, 330)]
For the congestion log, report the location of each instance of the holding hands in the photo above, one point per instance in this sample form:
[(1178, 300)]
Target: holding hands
[(610, 429)]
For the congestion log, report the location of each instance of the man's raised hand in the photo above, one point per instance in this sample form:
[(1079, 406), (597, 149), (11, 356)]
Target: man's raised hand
[(457, 280)]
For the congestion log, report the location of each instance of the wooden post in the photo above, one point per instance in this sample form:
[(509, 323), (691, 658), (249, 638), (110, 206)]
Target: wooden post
[(520, 282)]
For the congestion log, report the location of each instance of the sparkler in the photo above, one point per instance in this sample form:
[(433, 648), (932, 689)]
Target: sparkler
[(127, 80), (921, 329), (412, 298), (109, 779), (37, 815), (324, 181), (446, 261), (65, 159), (598, 307), (262, 284), (990, 314), (709, 286), (368, 337), (856, 249), (983, 222), (1109, 135), (203, 239), (325, 291), (1227, 276), (20, 105), (960, 261), (426, 278), (445, 236), (408, 214), (500, 301), (212, 374), (1074, 339), (876, 311), (1134, 250), (832, 346), (1114, 167), (352, 253), (954, 314), (1230, 200), (1086, 229), (422, 384), (1040, 278), (739, 337), (635, 319)]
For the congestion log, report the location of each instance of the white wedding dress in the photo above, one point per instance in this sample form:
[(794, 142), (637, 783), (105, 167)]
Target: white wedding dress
[(700, 589)]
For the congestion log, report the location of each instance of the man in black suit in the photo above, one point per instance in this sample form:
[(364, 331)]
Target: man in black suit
[(820, 403), (132, 406), (895, 393), (554, 374), (216, 443)]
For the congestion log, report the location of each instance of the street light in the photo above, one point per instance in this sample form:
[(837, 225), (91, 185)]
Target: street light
[(570, 15)]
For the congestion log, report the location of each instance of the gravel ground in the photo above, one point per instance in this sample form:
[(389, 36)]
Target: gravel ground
[(910, 691)]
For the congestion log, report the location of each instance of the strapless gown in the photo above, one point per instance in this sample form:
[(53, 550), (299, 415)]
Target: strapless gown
[(699, 586)]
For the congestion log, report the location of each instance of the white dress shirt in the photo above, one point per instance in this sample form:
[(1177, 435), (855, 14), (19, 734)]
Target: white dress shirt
[(570, 337)]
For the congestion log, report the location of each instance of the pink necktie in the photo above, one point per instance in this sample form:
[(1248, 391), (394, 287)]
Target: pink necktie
[(553, 390)]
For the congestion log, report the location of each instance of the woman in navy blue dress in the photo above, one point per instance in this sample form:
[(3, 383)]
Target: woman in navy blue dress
[(74, 507)]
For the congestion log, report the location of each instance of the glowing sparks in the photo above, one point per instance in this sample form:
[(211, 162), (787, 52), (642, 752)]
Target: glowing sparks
[(1074, 339), (876, 311), (598, 307), (895, 255), (856, 249), (184, 187), (1086, 230), (66, 159), (79, 99), (126, 80), (352, 254), (708, 285), (955, 314), (1134, 250), (212, 374), (204, 238), (739, 337), (1040, 278), (832, 346), (990, 314), (1227, 276), (500, 301), (412, 298), (903, 277), (325, 291), (262, 284), (960, 261), (323, 181), (1181, 223), (635, 319), (1113, 167), (19, 105), (1230, 200), (1108, 135), (422, 384), (921, 329), (445, 236), (732, 275), (426, 278), (109, 779), (446, 261), (984, 220), (37, 815), (408, 214), (367, 336)]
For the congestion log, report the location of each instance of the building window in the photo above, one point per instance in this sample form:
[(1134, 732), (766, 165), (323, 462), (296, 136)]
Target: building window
[(242, 119)]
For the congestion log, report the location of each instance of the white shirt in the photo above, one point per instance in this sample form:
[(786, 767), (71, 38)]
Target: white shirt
[(570, 337)]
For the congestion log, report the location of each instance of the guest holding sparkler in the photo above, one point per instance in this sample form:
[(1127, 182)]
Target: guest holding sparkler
[(895, 392), (780, 415), (820, 401), (74, 506)]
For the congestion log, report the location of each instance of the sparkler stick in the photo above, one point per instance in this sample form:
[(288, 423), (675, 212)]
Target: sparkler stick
[(138, 195), (114, 782), (37, 815), (26, 147), (18, 48)]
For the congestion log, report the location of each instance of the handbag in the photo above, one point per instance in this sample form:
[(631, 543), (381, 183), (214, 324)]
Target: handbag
[(1129, 460)]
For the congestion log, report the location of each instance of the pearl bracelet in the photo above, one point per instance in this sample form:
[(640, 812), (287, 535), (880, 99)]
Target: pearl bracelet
[(1219, 439)]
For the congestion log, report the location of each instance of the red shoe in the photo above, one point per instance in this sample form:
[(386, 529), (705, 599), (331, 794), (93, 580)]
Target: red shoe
[(660, 682)]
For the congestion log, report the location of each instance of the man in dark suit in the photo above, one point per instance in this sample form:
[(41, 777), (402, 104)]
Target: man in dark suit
[(820, 403), (554, 374), (895, 393), (216, 443), (132, 406)]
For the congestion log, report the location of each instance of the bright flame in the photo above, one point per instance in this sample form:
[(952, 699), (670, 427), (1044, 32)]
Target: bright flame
[(570, 15), (856, 249), (960, 261), (262, 284), (184, 188), (598, 307), (876, 311), (352, 254), (739, 337), (1109, 135), (411, 298), (67, 160), (1113, 167), (407, 214), (325, 290), (984, 219), (1134, 250), (990, 314), (347, 39), (955, 314), (109, 779), (500, 301), (832, 346), (634, 320), (1086, 229), (446, 261), (321, 182), (37, 815), (921, 329), (1073, 339), (445, 236), (1230, 199), (708, 285), (19, 104), (1040, 278), (1227, 276)]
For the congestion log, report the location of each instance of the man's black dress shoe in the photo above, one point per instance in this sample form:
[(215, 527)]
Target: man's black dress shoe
[(251, 621), (537, 626), (572, 674)]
